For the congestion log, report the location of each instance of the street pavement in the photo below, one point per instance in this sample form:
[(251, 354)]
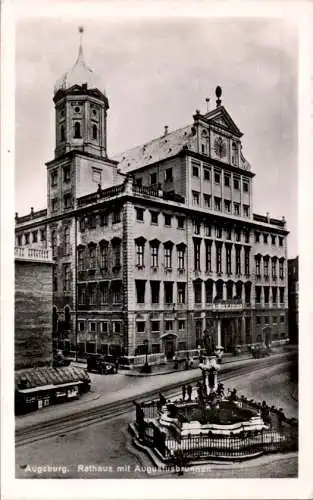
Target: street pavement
[(111, 388)]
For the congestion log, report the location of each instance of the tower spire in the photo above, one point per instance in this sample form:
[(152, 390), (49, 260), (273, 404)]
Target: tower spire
[(80, 50)]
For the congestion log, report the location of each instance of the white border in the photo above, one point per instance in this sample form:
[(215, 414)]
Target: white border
[(199, 488)]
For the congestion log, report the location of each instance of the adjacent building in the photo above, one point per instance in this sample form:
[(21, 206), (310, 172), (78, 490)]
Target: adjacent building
[(33, 307), (157, 248), (293, 299)]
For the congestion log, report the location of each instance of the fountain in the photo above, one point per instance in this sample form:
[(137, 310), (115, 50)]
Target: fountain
[(211, 424)]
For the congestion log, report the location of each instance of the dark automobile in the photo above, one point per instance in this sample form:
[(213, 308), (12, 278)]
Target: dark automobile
[(101, 364), (260, 351), (60, 360)]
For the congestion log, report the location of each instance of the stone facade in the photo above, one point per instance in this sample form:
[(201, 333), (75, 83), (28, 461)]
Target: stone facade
[(159, 248), (33, 308)]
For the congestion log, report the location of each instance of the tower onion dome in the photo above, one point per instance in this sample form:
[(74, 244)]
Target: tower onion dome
[(79, 74)]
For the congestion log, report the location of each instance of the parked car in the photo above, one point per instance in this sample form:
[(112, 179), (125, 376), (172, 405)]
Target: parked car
[(101, 364), (60, 360), (260, 350)]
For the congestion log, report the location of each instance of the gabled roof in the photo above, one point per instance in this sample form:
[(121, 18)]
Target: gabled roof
[(156, 150), (220, 117)]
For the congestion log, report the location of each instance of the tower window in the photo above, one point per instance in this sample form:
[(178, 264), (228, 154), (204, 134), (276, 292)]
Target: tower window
[(77, 132), (77, 109), (94, 132), (62, 132)]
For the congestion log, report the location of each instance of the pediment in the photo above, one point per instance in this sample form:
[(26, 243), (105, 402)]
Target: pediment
[(222, 119)]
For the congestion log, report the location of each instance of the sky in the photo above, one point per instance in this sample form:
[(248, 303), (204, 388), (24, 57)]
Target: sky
[(158, 72)]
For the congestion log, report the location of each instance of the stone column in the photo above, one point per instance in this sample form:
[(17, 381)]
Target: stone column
[(243, 329), (224, 291), (213, 290), (219, 333)]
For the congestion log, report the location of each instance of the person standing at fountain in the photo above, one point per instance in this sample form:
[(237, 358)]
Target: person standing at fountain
[(189, 391), (183, 390)]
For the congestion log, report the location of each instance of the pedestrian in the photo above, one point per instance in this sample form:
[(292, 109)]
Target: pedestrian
[(183, 390), (116, 365), (189, 391)]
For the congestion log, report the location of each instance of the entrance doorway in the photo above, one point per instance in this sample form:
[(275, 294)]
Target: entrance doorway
[(169, 346)]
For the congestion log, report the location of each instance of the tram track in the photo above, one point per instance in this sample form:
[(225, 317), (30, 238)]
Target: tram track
[(108, 411)]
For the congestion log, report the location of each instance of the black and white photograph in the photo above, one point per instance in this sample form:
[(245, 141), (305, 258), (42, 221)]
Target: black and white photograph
[(156, 250)]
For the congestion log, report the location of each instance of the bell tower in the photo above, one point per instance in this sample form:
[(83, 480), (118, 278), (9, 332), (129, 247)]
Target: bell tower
[(80, 110), (80, 161)]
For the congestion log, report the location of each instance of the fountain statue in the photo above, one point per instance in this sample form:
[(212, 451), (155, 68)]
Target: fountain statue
[(210, 369)]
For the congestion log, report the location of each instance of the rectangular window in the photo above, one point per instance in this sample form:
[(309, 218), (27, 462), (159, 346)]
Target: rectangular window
[(104, 219), (167, 220), (236, 209), (116, 255), (168, 292), (236, 183), (54, 204), (281, 241), (104, 292), (138, 181), (247, 261), (116, 292), (266, 294), (197, 287), (274, 269), (273, 239), (155, 326), (155, 292), (207, 200), (238, 261), (281, 269), (139, 214), (266, 320), (67, 241), (154, 253), (227, 205), (217, 203), (169, 175), (153, 179), (140, 291), (282, 319), (197, 244), (208, 256), (247, 236), (54, 178), (257, 237), (195, 169), (81, 326), (19, 240), (245, 186), (181, 293), (54, 280), (67, 200), (207, 174), (92, 221), (116, 325), (140, 254), (103, 327), (265, 268), (104, 252), (180, 222), (181, 324), (140, 326), (226, 180), (258, 266), (53, 241), (82, 295), (195, 197), (43, 235), (219, 232), (258, 291), (154, 217), (155, 348), (116, 217), (181, 258), (66, 174), (265, 239), (246, 210), (168, 257), (274, 320), (274, 294), (93, 294), (196, 226), (168, 325), (228, 233), (217, 177), (218, 258), (228, 259), (35, 236), (258, 320), (92, 326), (66, 277)]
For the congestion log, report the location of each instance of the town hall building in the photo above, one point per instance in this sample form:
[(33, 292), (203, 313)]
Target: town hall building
[(159, 249)]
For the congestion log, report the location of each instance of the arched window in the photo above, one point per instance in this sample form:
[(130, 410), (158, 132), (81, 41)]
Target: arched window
[(62, 133), (94, 132), (77, 133), (67, 318)]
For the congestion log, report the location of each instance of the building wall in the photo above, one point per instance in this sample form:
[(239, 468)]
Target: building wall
[(33, 314)]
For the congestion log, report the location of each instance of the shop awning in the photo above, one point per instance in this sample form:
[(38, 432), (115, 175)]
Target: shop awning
[(47, 376)]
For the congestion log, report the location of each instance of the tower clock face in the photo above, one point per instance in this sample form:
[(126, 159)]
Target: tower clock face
[(220, 147)]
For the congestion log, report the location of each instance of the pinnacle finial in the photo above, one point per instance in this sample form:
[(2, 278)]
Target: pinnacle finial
[(80, 31), (218, 93)]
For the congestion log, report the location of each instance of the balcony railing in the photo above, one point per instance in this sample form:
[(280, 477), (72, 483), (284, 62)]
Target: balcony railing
[(33, 254)]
